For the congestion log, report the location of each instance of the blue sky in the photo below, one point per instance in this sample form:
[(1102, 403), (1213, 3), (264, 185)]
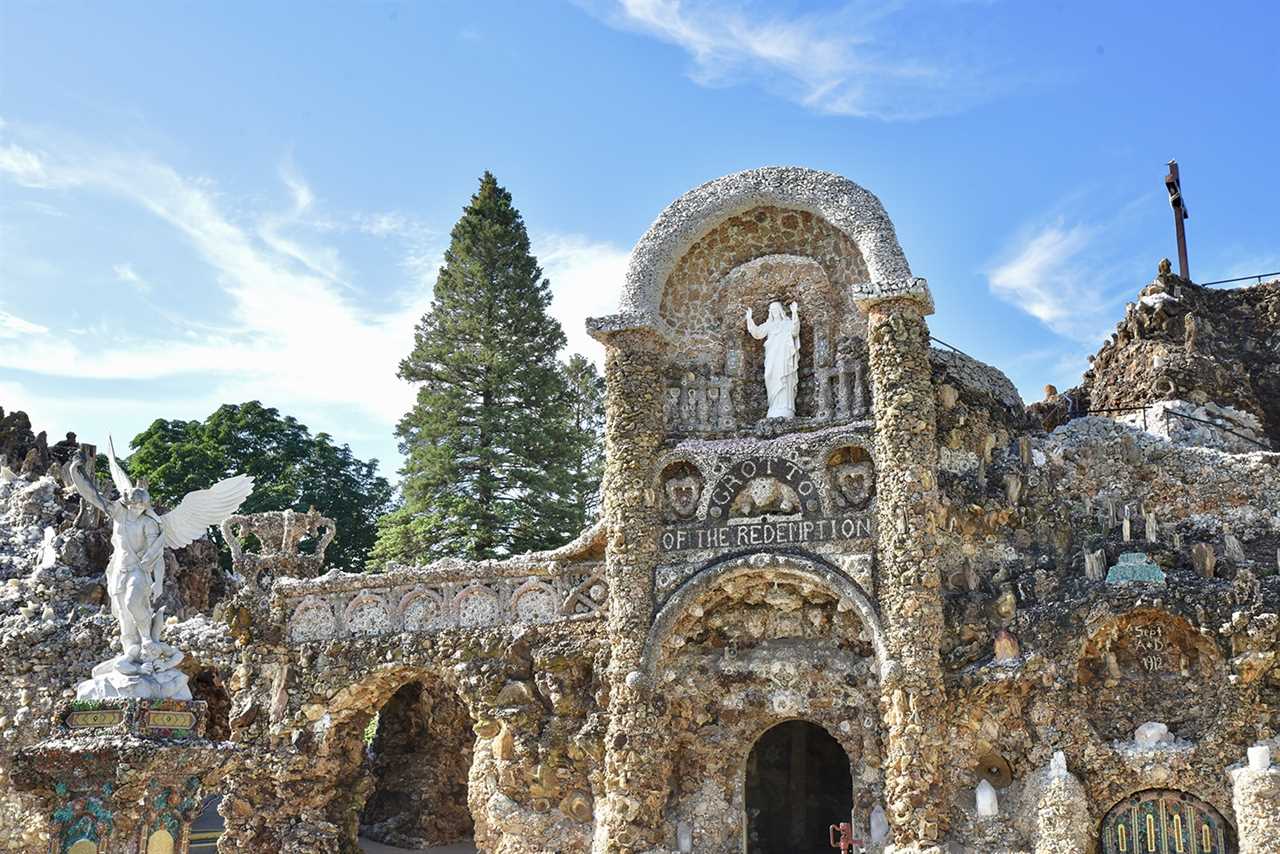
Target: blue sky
[(216, 202)]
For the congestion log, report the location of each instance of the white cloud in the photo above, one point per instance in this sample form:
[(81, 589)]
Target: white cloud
[(295, 336), (845, 61), (1042, 276), (24, 167), (12, 326), (1073, 273), (297, 331), (126, 274), (586, 281)]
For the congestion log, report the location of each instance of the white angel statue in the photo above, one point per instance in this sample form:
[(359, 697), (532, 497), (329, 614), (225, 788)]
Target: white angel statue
[(135, 576)]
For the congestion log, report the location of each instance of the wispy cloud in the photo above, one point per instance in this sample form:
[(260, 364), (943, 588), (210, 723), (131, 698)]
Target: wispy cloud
[(298, 329), (856, 60), (1045, 276), (295, 334), (126, 274), (1073, 270), (586, 281), (12, 326)]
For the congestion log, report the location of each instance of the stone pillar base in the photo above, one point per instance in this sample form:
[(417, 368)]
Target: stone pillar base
[(1256, 801), (122, 776)]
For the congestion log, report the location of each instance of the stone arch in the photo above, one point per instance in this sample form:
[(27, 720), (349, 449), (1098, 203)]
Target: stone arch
[(535, 601), (418, 757), (391, 772), (368, 614), (849, 208), (802, 568), (423, 609), (312, 620)]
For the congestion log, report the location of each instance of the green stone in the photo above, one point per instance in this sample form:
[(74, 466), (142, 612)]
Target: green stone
[(1135, 566)]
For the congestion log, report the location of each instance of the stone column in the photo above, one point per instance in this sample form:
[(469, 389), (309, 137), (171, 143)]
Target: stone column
[(636, 760), (1062, 818), (907, 554), (1256, 802)]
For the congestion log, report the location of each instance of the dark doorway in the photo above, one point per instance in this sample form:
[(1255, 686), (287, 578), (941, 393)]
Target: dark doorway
[(798, 784), (419, 753)]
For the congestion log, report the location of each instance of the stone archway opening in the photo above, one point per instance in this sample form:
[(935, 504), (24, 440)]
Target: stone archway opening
[(799, 783), (1165, 821), (418, 752)]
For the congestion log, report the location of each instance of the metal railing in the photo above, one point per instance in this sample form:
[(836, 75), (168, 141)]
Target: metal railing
[(950, 347), (1258, 278)]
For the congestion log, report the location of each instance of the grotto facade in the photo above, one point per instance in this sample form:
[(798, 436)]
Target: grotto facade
[(917, 606)]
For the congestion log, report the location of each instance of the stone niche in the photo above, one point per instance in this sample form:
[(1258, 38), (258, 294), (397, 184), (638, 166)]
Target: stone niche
[(715, 375), (1150, 665)]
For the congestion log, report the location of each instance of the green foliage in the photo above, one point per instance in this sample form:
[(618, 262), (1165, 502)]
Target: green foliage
[(291, 469), (586, 422), (494, 462)]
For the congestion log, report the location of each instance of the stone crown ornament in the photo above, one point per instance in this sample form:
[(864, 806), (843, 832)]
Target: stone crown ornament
[(147, 667)]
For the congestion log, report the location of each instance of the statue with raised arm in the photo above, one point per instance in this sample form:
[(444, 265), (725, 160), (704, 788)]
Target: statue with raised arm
[(781, 336), (147, 667)]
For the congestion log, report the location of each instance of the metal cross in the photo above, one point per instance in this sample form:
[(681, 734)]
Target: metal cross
[(1173, 184)]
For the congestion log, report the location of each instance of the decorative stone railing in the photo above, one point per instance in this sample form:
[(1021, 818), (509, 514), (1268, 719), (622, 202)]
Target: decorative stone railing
[(450, 594), (842, 390), (700, 405)]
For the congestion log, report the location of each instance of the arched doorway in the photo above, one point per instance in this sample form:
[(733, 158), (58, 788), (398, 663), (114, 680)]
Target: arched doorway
[(1161, 821), (798, 784), (418, 752)]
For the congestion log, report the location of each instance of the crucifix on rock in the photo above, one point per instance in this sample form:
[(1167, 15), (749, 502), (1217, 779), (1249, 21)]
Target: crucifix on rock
[(1173, 184)]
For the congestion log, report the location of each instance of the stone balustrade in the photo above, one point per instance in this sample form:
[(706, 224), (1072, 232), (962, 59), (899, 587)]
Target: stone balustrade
[(446, 595)]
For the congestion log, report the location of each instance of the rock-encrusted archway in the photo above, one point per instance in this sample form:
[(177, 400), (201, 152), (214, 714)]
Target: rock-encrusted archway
[(807, 574)]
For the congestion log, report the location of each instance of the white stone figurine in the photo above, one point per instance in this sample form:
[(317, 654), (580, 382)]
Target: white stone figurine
[(781, 357), (1058, 766), (987, 802), (147, 667)]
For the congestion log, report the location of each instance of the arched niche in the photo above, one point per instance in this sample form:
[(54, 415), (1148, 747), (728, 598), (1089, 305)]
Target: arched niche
[(1132, 664), (1165, 821), (160, 842), (819, 214), (83, 846), (807, 575), (797, 781), (418, 751)]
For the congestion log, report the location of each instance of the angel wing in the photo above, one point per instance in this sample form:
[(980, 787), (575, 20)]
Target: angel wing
[(202, 508), (123, 485)]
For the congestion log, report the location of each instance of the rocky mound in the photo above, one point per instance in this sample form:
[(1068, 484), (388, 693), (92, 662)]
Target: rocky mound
[(1214, 351)]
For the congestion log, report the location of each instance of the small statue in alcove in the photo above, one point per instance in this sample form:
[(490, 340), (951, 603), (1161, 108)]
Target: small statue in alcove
[(781, 336)]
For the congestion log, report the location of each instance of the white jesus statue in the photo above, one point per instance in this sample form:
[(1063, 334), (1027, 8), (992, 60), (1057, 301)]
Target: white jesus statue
[(781, 336)]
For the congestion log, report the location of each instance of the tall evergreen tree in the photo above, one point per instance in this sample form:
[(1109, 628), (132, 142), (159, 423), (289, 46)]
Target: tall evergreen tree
[(586, 423), (488, 443)]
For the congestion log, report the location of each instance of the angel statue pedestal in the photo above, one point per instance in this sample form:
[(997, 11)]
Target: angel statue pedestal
[(147, 668), (128, 765)]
